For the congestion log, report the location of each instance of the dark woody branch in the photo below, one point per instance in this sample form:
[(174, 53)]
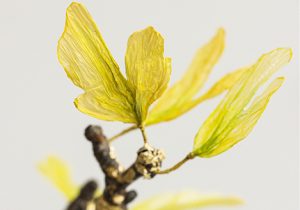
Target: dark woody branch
[(85, 196), (115, 195)]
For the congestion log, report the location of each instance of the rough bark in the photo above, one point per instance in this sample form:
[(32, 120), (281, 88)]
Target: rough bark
[(115, 195), (85, 197)]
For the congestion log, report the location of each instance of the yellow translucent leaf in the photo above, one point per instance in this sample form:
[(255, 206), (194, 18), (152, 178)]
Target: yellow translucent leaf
[(171, 104), (148, 71), (187, 200), (240, 127), (221, 86), (218, 88), (103, 105), (88, 63), (215, 129), (59, 174), (83, 52)]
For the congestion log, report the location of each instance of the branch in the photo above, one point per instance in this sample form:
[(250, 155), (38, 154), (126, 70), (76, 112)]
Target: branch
[(122, 133), (115, 195), (85, 197), (142, 128), (177, 165)]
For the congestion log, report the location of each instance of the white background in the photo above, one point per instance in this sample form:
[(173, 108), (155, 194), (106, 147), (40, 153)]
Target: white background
[(38, 117)]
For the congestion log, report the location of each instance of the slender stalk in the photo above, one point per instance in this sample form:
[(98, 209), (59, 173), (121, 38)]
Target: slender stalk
[(142, 128), (177, 165), (127, 130)]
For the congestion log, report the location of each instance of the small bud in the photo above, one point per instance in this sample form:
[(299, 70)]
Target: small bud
[(91, 206), (112, 153), (118, 199)]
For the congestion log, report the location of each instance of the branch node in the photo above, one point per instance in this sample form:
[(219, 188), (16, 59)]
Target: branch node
[(149, 161)]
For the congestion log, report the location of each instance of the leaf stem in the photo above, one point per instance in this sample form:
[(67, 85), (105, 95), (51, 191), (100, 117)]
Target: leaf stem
[(177, 165), (127, 130), (142, 128)]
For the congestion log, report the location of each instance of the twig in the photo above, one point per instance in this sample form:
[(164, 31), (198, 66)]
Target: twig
[(122, 133), (142, 128), (177, 165)]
